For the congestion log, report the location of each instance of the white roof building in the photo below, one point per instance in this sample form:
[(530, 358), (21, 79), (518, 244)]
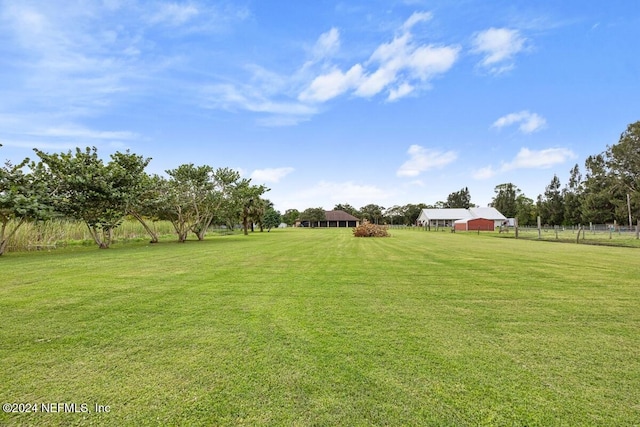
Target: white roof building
[(446, 217)]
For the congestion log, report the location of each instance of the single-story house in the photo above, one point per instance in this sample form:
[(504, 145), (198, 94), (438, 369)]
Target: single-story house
[(332, 219), (447, 217), (474, 224)]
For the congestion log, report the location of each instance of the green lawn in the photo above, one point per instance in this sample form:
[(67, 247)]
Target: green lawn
[(317, 328)]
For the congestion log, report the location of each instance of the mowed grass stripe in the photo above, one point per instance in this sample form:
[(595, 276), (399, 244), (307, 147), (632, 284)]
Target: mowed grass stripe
[(315, 327)]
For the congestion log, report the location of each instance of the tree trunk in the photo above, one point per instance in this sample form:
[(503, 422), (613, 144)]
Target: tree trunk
[(149, 230), (181, 229), (103, 241), (3, 246), (4, 239), (203, 227), (245, 225)]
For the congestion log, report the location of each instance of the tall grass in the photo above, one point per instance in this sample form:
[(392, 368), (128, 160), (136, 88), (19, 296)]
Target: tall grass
[(47, 235)]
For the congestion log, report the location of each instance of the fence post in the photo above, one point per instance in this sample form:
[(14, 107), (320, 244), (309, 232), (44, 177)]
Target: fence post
[(539, 228)]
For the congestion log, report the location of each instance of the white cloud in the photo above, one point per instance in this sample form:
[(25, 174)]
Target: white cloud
[(528, 122), (539, 159), (270, 174), (328, 86), (498, 47), (528, 159), (416, 18), (399, 66), (401, 58), (423, 159), (328, 43), (401, 91), (230, 97)]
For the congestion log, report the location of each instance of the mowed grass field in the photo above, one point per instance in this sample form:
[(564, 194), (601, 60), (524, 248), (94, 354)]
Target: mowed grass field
[(302, 327)]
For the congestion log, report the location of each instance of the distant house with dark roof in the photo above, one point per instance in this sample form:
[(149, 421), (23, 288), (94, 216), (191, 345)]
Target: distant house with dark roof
[(333, 219)]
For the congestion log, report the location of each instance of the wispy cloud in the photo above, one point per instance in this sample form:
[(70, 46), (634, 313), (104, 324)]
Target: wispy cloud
[(251, 98), (528, 159), (328, 44), (416, 18), (539, 159), (484, 173), (397, 69), (498, 46), (332, 84), (528, 122), (271, 174), (422, 159), (68, 61), (84, 133)]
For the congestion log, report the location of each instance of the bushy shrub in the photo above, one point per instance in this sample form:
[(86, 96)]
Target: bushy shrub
[(371, 230)]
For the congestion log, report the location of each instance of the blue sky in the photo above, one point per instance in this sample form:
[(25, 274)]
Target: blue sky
[(326, 102)]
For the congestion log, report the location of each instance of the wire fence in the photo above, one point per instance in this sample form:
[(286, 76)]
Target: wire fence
[(599, 234)]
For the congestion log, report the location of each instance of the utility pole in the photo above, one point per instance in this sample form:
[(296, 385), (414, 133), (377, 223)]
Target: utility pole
[(629, 207)]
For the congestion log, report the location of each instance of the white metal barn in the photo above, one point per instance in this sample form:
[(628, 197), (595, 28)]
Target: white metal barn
[(446, 217)]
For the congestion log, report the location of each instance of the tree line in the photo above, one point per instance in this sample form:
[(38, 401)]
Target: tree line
[(80, 186), (608, 191)]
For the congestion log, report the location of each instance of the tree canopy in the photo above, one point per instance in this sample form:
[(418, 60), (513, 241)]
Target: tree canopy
[(24, 196), (82, 187)]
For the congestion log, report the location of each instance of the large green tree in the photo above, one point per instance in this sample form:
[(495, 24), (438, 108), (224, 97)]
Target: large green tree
[(572, 197), (526, 210), (405, 215), (394, 215), (313, 216), (271, 218), (195, 195), (24, 196), (623, 162), (459, 199), (372, 213), (597, 206), (148, 206), (346, 207), (251, 207), (505, 198), (551, 204), (84, 188), (290, 216)]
